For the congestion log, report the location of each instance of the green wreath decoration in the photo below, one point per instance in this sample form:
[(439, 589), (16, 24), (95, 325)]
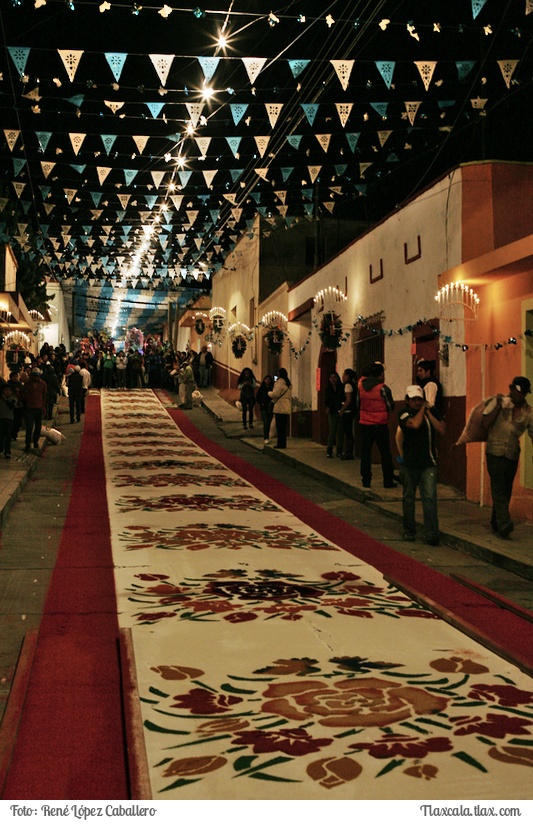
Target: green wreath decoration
[(199, 325), (274, 340), (238, 346), (331, 330)]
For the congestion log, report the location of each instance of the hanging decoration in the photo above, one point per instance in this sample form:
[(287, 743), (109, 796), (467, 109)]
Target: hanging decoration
[(459, 294), (200, 319), (276, 325), (238, 346), (239, 334)]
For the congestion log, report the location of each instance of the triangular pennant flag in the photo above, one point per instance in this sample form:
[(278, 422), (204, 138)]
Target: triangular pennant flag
[(11, 137), (337, 189), (151, 200), (426, 69), (314, 171), (340, 169), (380, 108), (297, 66), (77, 100), (162, 64), (234, 143), (282, 196), (79, 169), (18, 165), (155, 109), (192, 214), (324, 140), (382, 137), (282, 210), (235, 174), (273, 111), (363, 167), (529, 6), (71, 59), (344, 70), (343, 110), (44, 139), (262, 173), (157, 177), (124, 200), (236, 214), (477, 5), (76, 140), (114, 105), (47, 167), (262, 143), (308, 194), (102, 172), (209, 66), (286, 172), (386, 70), (195, 110), (464, 67), (507, 68), (294, 140), (411, 108), (329, 205), (140, 141), (18, 187), (231, 196), (310, 110), (33, 95), (45, 191), (96, 197), (177, 201), (238, 110), (203, 145), (208, 177), (70, 193), (116, 62), (184, 177), (108, 140), (353, 138), (253, 66), (19, 56)]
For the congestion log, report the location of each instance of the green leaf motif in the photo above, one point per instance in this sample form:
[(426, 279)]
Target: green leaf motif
[(154, 728), (463, 756), (230, 688), (244, 762)]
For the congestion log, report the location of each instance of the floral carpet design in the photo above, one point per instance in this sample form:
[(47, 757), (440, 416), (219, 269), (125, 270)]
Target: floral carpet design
[(273, 664)]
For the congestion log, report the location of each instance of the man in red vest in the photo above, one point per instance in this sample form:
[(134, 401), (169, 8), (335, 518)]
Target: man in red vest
[(375, 402)]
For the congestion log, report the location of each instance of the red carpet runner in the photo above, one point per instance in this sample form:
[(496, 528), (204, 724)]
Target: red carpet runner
[(70, 740)]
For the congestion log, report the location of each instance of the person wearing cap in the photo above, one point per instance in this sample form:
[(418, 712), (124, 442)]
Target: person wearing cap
[(418, 423), (33, 395), (510, 417)]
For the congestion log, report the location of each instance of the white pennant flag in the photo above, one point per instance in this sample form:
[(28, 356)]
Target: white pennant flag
[(262, 173), (426, 69), (162, 64), (192, 214), (124, 200), (282, 196), (383, 136), (76, 140), (262, 143), (273, 111), (231, 197), (343, 110), (363, 167), (411, 108), (47, 167), (314, 171), (329, 204), (70, 194), (253, 66), (11, 137), (344, 70), (177, 200), (195, 110), (102, 172), (70, 60), (236, 214), (324, 140), (157, 177), (529, 6), (140, 141), (114, 105), (203, 145), (18, 187), (208, 177), (507, 68)]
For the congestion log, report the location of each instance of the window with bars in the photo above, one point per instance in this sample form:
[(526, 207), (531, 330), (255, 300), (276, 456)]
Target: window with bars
[(368, 343)]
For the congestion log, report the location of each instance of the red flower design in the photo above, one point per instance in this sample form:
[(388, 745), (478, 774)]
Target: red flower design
[(291, 741), (506, 695), (151, 576), (240, 617), (340, 576), (404, 746), (203, 702), (493, 725), (458, 664), (154, 616), (174, 672)]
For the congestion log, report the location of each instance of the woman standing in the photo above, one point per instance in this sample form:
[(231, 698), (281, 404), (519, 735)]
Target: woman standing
[(334, 401), (281, 398), (347, 412), (247, 384), (262, 398)]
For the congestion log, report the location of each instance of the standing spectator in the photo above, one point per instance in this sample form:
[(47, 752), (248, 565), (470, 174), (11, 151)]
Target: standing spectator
[(109, 370), (375, 403), (99, 370), (15, 384), (189, 383), (246, 384), (75, 393), (122, 367), (205, 364), (136, 365), (86, 375), (33, 395), (265, 405), (418, 422), (347, 414), (7, 407), (52, 389), (508, 418), (334, 400), (281, 398), (432, 387)]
